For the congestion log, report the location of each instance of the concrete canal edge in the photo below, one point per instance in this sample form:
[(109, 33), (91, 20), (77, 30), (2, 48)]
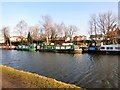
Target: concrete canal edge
[(12, 78)]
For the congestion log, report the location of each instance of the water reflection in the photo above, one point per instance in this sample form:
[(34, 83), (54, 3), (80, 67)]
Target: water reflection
[(86, 70)]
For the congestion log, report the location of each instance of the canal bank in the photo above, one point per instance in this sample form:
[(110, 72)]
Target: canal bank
[(13, 78)]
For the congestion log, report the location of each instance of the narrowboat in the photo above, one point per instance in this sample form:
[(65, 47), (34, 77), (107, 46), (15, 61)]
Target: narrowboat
[(68, 48), (111, 49), (90, 49), (8, 47), (64, 48), (25, 48)]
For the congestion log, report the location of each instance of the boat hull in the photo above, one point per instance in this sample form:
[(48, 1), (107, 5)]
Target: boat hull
[(103, 52), (109, 52), (21, 48), (61, 50)]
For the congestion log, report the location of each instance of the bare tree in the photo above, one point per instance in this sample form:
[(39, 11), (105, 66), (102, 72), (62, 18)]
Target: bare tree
[(22, 29), (69, 31), (102, 24), (93, 25), (35, 31), (106, 23), (72, 30), (65, 30), (57, 30), (90, 31), (61, 29), (93, 28), (6, 32), (54, 31), (47, 25)]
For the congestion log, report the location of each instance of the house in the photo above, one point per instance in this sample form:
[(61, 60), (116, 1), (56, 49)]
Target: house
[(17, 38), (96, 37), (117, 33), (2, 40), (67, 39), (78, 39), (83, 37), (58, 40)]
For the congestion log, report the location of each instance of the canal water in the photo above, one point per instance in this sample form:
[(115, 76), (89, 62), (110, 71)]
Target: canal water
[(85, 70)]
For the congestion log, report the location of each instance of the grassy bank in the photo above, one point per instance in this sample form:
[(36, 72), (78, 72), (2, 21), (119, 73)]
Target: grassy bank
[(31, 80)]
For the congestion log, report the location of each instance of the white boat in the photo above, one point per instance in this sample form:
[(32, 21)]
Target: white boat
[(68, 48), (114, 48)]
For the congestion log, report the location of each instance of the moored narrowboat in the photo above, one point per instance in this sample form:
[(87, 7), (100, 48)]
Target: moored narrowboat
[(64, 48), (111, 49), (25, 48)]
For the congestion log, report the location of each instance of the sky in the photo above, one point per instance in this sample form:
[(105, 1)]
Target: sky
[(71, 13)]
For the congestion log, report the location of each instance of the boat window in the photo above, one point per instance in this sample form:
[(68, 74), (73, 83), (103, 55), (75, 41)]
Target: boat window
[(107, 47), (91, 48), (111, 47), (102, 47), (117, 47)]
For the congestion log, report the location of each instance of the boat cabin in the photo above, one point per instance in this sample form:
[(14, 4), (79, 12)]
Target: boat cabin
[(110, 47)]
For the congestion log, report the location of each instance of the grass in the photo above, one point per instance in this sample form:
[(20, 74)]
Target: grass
[(31, 80)]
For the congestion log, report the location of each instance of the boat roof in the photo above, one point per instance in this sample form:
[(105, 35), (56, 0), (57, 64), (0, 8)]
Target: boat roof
[(112, 45)]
